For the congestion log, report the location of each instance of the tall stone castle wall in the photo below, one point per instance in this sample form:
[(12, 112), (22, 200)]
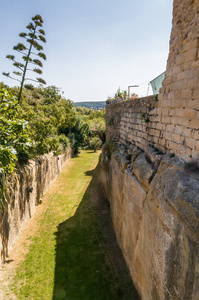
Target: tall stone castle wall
[(153, 195), (170, 124)]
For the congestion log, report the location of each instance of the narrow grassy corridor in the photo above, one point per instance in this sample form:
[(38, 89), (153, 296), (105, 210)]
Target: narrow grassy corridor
[(72, 254)]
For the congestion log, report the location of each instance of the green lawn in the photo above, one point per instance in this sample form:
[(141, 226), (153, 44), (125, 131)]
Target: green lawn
[(66, 258)]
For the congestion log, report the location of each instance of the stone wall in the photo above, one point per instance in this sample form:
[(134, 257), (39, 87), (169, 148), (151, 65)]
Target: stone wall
[(154, 202), (154, 197), (147, 121), (173, 121), (25, 188), (135, 121), (179, 96)]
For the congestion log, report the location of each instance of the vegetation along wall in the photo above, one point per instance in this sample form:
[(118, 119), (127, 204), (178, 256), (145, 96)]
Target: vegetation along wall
[(150, 171), (25, 188)]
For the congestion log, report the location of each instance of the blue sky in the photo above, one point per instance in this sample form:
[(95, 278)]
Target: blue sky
[(93, 46)]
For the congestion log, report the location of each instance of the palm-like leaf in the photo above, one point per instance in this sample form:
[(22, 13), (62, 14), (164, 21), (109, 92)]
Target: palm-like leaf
[(18, 65), (42, 31), (38, 71), (30, 26), (6, 74), (25, 57), (37, 18), (17, 73), (42, 55), (40, 80), (19, 47), (23, 34), (38, 62), (12, 57), (42, 38)]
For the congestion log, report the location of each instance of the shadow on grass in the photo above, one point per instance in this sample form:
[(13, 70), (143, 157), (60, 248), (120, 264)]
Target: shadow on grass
[(89, 263)]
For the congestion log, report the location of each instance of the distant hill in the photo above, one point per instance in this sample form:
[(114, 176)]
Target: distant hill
[(91, 104)]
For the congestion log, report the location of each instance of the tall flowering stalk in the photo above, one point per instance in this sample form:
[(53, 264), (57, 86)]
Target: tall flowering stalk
[(33, 38)]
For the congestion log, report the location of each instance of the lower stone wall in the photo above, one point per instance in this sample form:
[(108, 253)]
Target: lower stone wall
[(134, 120), (150, 121), (154, 203), (25, 188)]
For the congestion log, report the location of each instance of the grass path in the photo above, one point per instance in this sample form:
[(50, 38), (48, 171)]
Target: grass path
[(67, 254)]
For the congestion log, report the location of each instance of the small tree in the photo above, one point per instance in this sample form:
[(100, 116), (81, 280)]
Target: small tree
[(95, 143), (36, 34)]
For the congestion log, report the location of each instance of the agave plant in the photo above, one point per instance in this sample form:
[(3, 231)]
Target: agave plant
[(31, 54)]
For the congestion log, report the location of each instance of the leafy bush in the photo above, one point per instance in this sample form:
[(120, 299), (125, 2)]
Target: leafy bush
[(79, 135), (95, 143), (51, 121), (48, 116), (95, 120), (75, 145), (14, 132), (14, 138), (65, 142), (23, 155)]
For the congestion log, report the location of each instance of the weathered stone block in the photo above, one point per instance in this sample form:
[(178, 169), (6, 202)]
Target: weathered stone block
[(180, 59), (178, 85), (196, 94), (177, 95), (194, 124), (194, 104), (190, 142), (197, 145), (166, 103), (176, 137), (190, 113), (177, 69), (191, 55), (134, 199), (143, 170)]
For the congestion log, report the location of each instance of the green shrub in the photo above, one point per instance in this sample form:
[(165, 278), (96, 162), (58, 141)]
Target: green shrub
[(23, 155), (95, 143), (75, 145), (65, 142), (54, 145), (14, 138), (14, 133), (49, 144)]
